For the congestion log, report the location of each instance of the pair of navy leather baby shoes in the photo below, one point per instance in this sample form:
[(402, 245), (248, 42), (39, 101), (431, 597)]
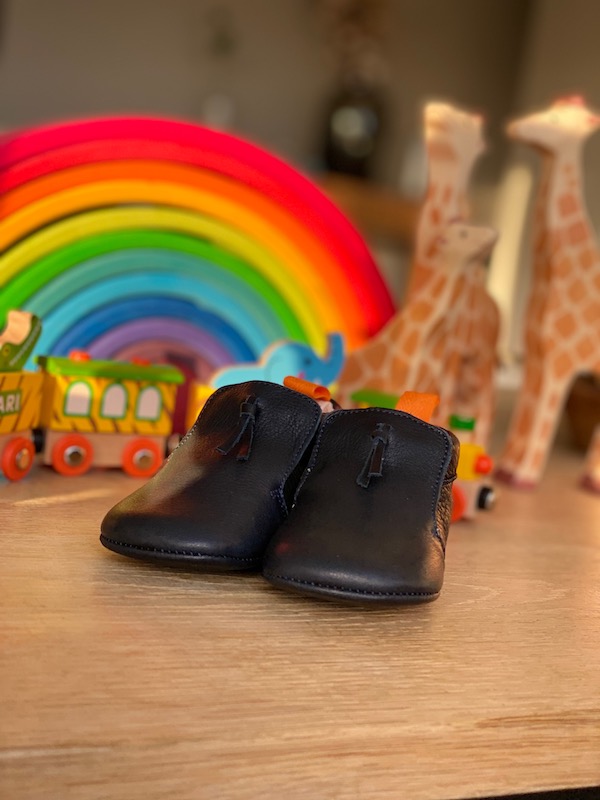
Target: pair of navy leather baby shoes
[(349, 504)]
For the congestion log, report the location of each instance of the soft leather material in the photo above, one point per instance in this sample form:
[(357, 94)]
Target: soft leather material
[(371, 513), (225, 490)]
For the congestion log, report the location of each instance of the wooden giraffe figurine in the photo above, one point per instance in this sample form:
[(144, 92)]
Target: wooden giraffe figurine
[(562, 331), (389, 361), (454, 142)]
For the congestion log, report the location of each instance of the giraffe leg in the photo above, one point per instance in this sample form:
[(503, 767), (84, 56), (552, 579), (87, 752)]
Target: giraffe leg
[(522, 416), (591, 474), (445, 386), (532, 432), (475, 394), (480, 386)]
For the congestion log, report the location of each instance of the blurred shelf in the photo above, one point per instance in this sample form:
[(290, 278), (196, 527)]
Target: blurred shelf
[(377, 211)]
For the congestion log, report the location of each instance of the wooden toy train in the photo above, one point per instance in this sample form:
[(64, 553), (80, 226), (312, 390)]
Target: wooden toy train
[(80, 413)]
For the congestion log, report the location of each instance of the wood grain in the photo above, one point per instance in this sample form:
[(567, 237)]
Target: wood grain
[(123, 681)]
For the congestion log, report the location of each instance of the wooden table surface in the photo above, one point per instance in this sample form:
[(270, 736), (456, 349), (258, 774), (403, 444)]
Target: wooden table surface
[(122, 680)]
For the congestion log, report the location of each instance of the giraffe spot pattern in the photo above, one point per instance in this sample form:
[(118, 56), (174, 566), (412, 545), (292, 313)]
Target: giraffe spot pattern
[(565, 325), (562, 267), (352, 371), (377, 355), (525, 421), (421, 311), (576, 291), (546, 429), (567, 204), (410, 345), (591, 313), (563, 365), (585, 348), (442, 150), (555, 241), (587, 258), (577, 233), (437, 286)]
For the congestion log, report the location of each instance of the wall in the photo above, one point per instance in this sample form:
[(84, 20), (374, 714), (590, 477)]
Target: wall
[(69, 58)]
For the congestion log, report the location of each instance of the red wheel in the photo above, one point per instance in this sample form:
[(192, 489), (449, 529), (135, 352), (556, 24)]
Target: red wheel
[(17, 458), (459, 503), (72, 455), (142, 458)]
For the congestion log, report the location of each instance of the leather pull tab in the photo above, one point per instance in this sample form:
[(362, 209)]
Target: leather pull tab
[(310, 389), (243, 435), (373, 467), (419, 404)]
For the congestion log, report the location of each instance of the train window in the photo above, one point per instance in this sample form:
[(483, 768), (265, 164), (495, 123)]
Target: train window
[(149, 404), (114, 402), (78, 399)]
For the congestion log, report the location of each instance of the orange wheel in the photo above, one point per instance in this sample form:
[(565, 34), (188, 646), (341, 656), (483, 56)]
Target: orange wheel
[(17, 458), (142, 458), (459, 503), (72, 455)]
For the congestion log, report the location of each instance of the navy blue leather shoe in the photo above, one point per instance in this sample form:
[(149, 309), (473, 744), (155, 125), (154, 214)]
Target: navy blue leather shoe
[(226, 489), (370, 517)]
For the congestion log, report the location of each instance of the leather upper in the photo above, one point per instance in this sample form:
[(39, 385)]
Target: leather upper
[(371, 514), (222, 493)]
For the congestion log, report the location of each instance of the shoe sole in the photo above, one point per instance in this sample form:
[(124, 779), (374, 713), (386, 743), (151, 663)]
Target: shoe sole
[(209, 562), (350, 596)]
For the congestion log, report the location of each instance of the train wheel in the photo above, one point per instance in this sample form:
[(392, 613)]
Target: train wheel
[(142, 458), (486, 499), (72, 455), (17, 458), (459, 504)]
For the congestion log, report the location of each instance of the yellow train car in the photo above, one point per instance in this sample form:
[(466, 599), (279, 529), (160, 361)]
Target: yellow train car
[(106, 413), (20, 404)]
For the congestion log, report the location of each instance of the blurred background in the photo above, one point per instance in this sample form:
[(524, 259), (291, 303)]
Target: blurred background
[(334, 86)]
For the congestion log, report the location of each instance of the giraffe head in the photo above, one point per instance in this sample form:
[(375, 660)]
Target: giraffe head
[(462, 244), (458, 133), (567, 120)]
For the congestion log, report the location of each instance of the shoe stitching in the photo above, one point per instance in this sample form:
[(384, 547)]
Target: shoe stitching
[(104, 538), (348, 589), (438, 431), (277, 494)]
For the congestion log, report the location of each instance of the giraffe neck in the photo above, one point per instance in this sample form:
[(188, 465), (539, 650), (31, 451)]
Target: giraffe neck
[(445, 294), (437, 296), (541, 247), (568, 227), (446, 200)]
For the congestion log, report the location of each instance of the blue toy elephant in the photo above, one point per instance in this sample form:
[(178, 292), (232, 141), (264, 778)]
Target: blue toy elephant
[(287, 358)]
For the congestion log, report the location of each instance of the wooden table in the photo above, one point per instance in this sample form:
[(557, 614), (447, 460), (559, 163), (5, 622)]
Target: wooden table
[(122, 680)]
